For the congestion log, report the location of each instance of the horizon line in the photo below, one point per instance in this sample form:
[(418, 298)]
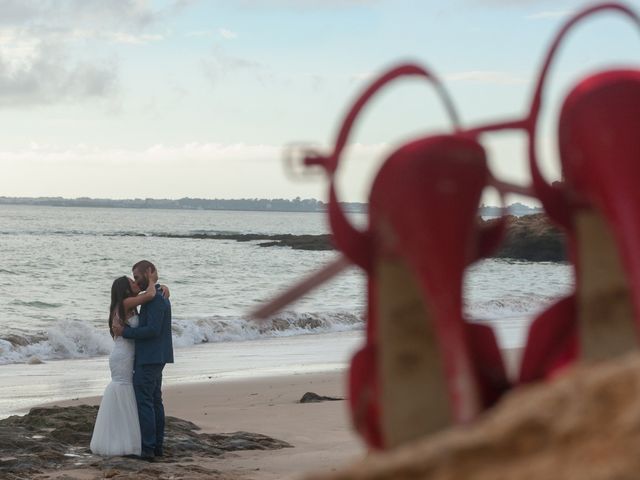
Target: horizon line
[(249, 199)]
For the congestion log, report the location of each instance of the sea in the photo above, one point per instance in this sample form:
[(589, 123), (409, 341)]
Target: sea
[(58, 264)]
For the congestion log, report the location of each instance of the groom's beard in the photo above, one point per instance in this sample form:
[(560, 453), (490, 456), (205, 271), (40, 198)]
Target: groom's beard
[(144, 284)]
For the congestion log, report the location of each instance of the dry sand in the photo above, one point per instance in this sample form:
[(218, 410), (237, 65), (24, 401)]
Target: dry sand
[(320, 433)]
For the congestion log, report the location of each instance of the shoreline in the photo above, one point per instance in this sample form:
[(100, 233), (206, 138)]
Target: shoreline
[(26, 386), (195, 365)]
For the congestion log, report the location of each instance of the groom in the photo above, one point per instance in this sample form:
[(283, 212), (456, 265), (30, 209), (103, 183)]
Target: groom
[(154, 349)]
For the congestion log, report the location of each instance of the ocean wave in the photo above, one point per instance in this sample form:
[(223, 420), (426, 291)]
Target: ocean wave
[(122, 233), (68, 339), (228, 329), (508, 306), (196, 233), (75, 339), (35, 304)]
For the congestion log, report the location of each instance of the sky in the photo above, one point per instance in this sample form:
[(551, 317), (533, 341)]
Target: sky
[(197, 98)]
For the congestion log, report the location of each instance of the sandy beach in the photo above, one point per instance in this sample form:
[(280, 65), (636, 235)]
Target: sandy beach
[(319, 432)]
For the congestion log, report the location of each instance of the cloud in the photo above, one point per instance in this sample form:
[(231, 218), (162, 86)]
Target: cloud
[(82, 154), (486, 77), (39, 62), (199, 33), (219, 64), (306, 4), (519, 3), (34, 72), (67, 13), (179, 5), (549, 14), (193, 169), (188, 154), (228, 34), (132, 39)]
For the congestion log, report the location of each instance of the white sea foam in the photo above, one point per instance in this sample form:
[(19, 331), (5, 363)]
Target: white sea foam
[(74, 339), (508, 306), (68, 339)]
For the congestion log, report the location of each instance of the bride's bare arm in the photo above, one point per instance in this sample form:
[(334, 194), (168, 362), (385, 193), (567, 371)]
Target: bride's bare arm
[(132, 302)]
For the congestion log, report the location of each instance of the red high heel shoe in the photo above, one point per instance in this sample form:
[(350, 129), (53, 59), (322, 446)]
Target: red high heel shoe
[(422, 367), (598, 206)]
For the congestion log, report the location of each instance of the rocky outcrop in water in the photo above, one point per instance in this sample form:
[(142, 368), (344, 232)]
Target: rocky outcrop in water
[(583, 426), (58, 438), (532, 238), (297, 242)]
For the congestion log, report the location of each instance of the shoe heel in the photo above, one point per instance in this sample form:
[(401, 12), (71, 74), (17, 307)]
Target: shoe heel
[(414, 399), (604, 310)]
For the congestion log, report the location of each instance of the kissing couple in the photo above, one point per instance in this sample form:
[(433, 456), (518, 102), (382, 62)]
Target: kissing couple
[(130, 420)]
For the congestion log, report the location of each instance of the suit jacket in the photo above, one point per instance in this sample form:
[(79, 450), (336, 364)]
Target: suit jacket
[(153, 334)]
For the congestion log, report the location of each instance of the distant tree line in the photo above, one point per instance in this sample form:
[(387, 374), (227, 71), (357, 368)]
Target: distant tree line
[(246, 204)]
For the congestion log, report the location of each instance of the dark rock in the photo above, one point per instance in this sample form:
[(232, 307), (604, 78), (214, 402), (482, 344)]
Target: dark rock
[(297, 242), (531, 238), (16, 340), (56, 437), (311, 397)]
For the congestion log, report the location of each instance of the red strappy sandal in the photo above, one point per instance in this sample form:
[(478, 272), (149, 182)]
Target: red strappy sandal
[(597, 206), (422, 367)]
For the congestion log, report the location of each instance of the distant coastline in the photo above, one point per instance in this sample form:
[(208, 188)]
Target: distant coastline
[(244, 204)]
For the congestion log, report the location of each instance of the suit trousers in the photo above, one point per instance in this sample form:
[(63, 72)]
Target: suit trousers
[(147, 383)]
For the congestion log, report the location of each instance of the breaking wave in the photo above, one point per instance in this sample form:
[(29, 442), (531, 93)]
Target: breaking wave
[(75, 339)]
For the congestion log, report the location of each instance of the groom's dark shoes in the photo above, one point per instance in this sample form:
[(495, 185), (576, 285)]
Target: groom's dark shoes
[(148, 457)]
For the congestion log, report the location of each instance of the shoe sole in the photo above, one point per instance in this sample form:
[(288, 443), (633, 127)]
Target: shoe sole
[(605, 312), (414, 400)]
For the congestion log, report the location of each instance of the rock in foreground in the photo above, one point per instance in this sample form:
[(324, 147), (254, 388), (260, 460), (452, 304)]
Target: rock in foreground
[(58, 438), (312, 397), (583, 426)]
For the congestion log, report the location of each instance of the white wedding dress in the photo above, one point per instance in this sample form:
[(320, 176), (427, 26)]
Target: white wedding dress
[(117, 430)]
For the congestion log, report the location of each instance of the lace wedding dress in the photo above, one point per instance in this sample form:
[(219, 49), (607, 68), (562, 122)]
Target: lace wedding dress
[(117, 431)]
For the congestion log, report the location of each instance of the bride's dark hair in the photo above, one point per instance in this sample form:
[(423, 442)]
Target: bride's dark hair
[(120, 290)]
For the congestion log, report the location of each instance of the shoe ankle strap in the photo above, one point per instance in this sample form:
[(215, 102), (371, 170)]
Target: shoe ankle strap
[(554, 198), (354, 243)]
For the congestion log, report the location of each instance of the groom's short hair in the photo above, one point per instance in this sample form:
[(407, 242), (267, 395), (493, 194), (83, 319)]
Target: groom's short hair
[(143, 266)]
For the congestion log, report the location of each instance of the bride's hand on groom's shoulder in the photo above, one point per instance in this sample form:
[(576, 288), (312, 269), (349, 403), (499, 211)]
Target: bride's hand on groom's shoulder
[(165, 291)]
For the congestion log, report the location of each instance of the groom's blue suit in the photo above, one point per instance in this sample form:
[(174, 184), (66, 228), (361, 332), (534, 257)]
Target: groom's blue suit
[(154, 349)]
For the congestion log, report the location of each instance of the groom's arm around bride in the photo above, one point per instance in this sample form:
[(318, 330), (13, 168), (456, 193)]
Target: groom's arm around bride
[(153, 334)]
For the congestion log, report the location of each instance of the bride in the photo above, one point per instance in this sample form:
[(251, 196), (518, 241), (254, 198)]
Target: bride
[(117, 430)]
